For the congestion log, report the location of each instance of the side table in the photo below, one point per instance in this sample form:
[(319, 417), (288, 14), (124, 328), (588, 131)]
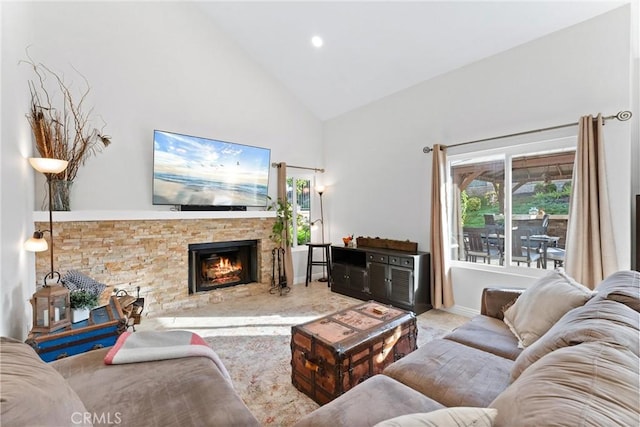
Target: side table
[(102, 329)]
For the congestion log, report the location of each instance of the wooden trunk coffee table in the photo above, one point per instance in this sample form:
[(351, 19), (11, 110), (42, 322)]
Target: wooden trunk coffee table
[(332, 354)]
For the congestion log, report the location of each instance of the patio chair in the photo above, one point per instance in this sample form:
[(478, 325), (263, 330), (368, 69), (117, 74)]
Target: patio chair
[(556, 255), (521, 248), (475, 246), (495, 240), (542, 228)]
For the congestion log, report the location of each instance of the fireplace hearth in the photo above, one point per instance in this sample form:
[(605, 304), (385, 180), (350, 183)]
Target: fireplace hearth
[(222, 264)]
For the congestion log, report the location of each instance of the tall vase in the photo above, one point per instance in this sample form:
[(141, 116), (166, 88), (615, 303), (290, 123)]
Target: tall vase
[(61, 195)]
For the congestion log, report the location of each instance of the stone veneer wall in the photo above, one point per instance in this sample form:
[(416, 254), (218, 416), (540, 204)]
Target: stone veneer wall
[(153, 254)]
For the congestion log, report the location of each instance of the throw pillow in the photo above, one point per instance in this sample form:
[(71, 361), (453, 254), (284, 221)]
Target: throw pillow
[(453, 417), (543, 304), (591, 385), (77, 281), (602, 321), (622, 287)]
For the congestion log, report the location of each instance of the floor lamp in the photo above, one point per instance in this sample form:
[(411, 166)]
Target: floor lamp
[(320, 190), (37, 243)]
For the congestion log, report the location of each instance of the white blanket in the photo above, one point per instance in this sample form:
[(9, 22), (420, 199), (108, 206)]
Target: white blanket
[(147, 346)]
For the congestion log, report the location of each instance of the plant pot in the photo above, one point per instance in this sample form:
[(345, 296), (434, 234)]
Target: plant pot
[(79, 314)]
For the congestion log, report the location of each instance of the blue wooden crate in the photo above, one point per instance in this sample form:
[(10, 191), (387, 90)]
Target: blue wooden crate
[(102, 329)]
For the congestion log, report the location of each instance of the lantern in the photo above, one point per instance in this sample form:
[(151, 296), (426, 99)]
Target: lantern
[(51, 309)]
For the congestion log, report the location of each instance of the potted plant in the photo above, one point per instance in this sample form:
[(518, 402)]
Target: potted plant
[(284, 214), (81, 304)]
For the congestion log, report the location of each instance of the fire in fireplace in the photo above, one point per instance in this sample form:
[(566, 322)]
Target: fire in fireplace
[(221, 264), (220, 270)]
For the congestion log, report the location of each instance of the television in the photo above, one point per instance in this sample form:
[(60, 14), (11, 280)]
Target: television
[(191, 171)]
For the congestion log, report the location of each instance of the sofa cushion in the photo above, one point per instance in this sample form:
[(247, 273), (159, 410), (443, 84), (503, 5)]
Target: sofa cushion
[(601, 320), (458, 417), (487, 334), (543, 304), (621, 286), (452, 373), (32, 393), (591, 384), (374, 400), (191, 391)]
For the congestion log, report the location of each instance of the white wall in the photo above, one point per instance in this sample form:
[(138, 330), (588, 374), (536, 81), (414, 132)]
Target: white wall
[(157, 65), (379, 179), (16, 183), (150, 65)]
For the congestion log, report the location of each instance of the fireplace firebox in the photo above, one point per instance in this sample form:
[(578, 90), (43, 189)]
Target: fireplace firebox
[(222, 264)]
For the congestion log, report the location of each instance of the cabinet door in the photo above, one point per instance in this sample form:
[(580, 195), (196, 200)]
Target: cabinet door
[(340, 275), (358, 279), (401, 285), (378, 280)]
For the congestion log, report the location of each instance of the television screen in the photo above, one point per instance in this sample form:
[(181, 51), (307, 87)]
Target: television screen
[(189, 170)]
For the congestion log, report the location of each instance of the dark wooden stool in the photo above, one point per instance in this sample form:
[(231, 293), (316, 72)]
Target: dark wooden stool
[(326, 261)]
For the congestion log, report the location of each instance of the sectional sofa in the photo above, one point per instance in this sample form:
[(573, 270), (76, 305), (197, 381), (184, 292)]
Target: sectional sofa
[(555, 354), (81, 391)]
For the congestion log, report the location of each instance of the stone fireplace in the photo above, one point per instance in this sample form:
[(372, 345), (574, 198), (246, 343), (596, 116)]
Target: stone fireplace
[(222, 264), (150, 250)]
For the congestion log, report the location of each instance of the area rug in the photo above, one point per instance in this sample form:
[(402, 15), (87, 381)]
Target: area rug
[(261, 372), (252, 338)]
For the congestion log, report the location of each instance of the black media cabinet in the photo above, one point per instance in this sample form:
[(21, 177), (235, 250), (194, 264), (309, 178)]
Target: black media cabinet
[(402, 279)]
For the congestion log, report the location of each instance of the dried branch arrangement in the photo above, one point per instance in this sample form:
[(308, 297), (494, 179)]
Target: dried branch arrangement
[(66, 132)]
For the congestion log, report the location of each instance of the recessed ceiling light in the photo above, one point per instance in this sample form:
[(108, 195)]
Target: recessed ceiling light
[(317, 41)]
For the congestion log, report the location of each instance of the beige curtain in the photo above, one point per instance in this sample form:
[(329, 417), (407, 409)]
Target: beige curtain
[(441, 290), (590, 250), (282, 196)]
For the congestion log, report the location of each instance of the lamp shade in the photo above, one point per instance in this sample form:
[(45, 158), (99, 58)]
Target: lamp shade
[(320, 189), (47, 165), (36, 243)]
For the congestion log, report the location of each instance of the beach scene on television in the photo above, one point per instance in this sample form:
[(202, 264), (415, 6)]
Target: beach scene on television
[(190, 170)]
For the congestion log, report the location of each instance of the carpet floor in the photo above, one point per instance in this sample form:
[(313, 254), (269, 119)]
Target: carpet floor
[(252, 333)]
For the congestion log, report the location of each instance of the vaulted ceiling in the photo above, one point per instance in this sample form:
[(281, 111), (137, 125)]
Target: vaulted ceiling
[(375, 48)]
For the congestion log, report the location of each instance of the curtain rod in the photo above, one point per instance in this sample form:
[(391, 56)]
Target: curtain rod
[(275, 165), (622, 116)]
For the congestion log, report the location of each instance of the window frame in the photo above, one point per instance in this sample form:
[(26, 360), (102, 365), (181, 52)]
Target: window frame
[(295, 176), (513, 148)]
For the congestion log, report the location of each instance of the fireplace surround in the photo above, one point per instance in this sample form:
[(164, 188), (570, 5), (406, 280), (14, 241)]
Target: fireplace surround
[(127, 249)]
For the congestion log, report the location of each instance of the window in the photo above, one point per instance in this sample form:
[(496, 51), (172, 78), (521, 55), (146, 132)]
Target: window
[(299, 196), (522, 223)]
